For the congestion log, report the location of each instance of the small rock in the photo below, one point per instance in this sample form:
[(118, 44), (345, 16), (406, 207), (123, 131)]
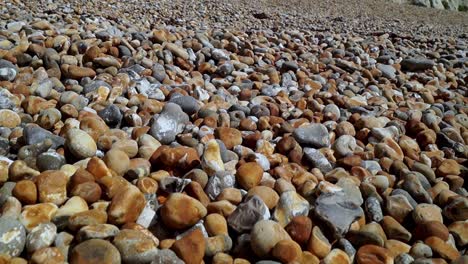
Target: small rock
[(13, 236), (264, 236), (182, 211), (135, 247), (191, 248), (95, 251)]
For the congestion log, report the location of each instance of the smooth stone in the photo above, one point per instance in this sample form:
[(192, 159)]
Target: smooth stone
[(80, 143), (264, 236), (95, 251), (314, 135), (188, 104), (164, 256), (50, 161), (416, 64), (41, 236), (12, 236), (135, 247), (182, 211)]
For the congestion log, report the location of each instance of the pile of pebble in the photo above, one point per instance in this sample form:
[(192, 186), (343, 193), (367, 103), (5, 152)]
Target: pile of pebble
[(174, 145)]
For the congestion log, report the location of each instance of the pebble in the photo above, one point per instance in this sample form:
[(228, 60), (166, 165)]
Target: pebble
[(182, 211), (249, 175), (134, 246), (80, 144), (13, 236), (95, 251), (264, 236), (191, 248), (170, 122)]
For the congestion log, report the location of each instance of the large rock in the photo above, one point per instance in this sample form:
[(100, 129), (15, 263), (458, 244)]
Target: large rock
[(338, 211), (252, 210), (170, 122)]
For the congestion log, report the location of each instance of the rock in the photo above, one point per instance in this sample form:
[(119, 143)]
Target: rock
[(95, 251), (135, 247), (216, 224), (52, 187), (290, 205), (41, 236), (35, 134), (344, 145), (457, 209), (404, 258), (442, 248), (111, 115), (182, 211), (126, 206), (287, 251), (337, 256), (314, 135), (218, 182), (387, 71), (190, 248), (98, 231), (252, 210), (398, 207), (9, 118), (217, 244), (420, 250), (299, 229), (318, 244), (373, 254), (448, 167), (33, 215), (427, 212), (25, 191), (80, 143), (373, 209), (318, 160), (50, 255), (170, 122), (13, 236), (459, 229), (166, 256), (8, 70), (50, 161), (416, 64), (249, 175), (229, 136), (267, 194), (264, 236), (395, 230), (211, 159), (188, 104), (427, 229), (336, 210)]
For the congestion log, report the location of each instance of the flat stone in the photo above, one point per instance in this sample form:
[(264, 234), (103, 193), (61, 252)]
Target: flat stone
[(336, 210)]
